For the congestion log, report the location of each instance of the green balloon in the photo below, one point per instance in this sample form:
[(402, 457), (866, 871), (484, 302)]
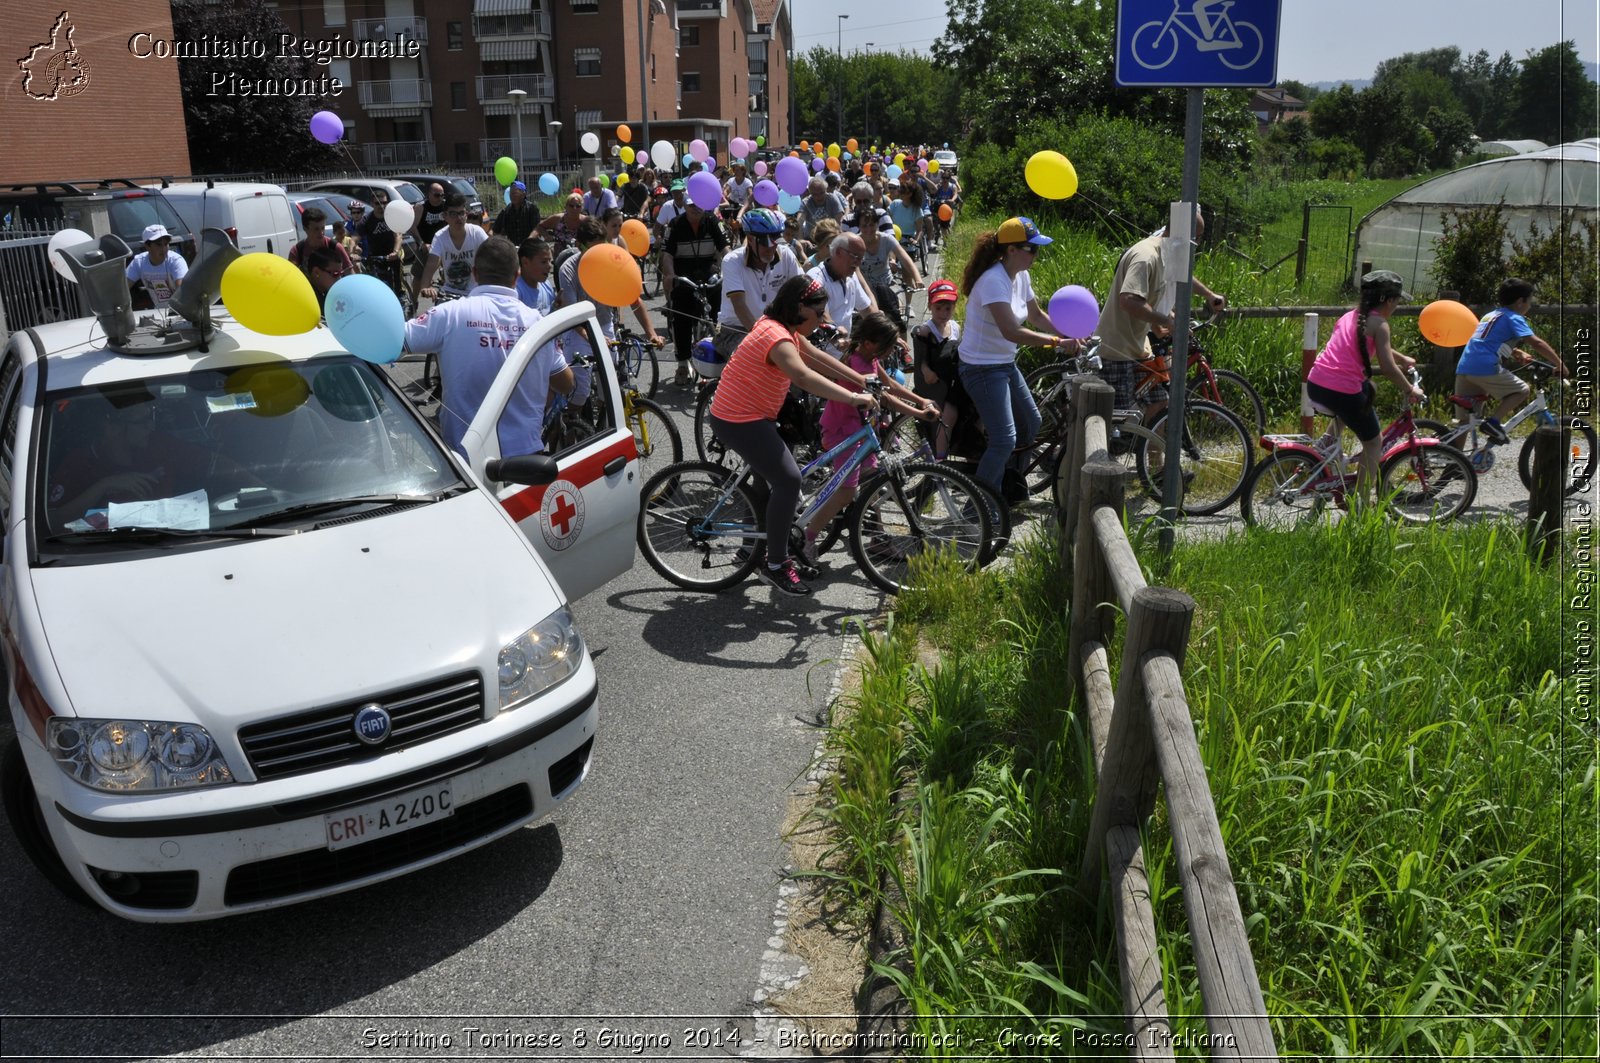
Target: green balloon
[(605, 180), (761, 140), (505, 169)]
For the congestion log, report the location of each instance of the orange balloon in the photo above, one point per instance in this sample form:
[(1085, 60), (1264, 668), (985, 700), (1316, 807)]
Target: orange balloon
[(866, 168), (610, 275), (624, 134), (945, 213), (1447, 323), (805, 145), (833, 163), (794, 155), (852, 145), (637, 237)]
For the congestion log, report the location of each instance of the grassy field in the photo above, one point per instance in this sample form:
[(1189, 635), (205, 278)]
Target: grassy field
[(1407, 795)]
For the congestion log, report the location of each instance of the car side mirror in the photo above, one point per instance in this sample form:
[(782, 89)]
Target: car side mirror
[(528, 469)]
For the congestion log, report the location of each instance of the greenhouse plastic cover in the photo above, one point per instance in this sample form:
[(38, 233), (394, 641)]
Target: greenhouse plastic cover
[(1537, 187)]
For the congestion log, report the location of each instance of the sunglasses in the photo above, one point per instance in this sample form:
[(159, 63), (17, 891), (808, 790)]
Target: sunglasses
[(1032, 249), (764, 239), (335, 273)]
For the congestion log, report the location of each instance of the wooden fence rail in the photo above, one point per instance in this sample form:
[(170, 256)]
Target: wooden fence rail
[(1143, 736)]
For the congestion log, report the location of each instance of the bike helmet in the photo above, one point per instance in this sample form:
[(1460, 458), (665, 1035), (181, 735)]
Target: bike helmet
[(705, 359), (763, 222)]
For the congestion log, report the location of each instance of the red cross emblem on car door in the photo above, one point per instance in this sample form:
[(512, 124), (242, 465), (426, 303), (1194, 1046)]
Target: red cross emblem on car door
[(561, 514)]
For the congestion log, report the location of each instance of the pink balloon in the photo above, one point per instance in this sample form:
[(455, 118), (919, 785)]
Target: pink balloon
[(1074, 311), (738, 147), (699, 149), (761, 169), (642, 158), (766, 193), (922, 164), (704, 190)]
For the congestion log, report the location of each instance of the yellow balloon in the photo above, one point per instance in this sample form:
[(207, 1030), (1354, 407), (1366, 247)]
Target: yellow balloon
[(1050, 174), (627, 155), (833, 151), (270, 295), (274, 387), (898, 235), (900, 159), (933, 167)]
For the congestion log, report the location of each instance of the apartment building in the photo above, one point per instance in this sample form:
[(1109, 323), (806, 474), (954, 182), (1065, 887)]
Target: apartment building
[(527, 78)]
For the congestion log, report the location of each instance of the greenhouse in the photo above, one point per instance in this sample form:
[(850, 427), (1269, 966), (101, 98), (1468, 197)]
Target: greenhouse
[(1537, 187)]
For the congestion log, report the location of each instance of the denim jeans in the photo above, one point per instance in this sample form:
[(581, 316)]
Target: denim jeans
[(1006, 407)]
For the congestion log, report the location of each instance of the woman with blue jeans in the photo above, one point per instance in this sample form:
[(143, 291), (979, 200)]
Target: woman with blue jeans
[(1000, 307)]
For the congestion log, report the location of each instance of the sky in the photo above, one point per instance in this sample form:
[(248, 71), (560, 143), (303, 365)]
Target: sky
[(1320, 40)]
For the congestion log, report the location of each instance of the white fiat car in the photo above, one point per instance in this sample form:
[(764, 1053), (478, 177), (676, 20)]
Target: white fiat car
[(307, 647)]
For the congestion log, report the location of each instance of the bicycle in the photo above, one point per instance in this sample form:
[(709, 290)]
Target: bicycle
[(641, 359), (654, 434), (432, 383), (702, 525), (703, 317), (1422, 479), (1224, 387), (1223, 35), (1469, 438)]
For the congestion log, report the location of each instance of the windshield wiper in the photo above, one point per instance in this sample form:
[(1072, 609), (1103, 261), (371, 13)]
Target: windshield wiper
[(135, 534), (329, 505)]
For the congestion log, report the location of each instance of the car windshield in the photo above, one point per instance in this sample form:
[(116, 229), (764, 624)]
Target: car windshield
[(130, 215), (410, 192), (945, 156), (221, 449)]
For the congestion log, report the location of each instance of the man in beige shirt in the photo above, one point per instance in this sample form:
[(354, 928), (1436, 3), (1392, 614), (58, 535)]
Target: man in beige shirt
[(1130, 315)]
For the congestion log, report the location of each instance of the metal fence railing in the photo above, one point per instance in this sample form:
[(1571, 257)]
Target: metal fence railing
[(31, 293)]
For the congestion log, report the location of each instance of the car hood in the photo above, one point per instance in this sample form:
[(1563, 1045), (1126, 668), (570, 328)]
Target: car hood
[(253, 628)]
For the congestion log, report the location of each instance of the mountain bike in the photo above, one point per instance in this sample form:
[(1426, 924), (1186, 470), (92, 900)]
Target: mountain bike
[(641, 358), (1469, 438), (702, 526), (1224, 387), (1421, 480)]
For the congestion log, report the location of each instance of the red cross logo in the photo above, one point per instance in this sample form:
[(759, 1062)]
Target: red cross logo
[(561, 516)]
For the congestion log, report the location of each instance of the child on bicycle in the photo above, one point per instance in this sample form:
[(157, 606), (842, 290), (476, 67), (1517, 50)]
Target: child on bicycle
[(1340, 380), (872, 336), (1480, 370), (937, 371)]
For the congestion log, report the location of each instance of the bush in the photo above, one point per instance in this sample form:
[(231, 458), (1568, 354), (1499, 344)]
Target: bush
[(1470, 255)]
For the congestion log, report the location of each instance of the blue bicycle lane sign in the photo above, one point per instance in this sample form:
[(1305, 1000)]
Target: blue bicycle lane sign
[(1198, 43)]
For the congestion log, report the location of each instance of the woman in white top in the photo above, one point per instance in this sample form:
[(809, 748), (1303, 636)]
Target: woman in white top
[(1000, 307)]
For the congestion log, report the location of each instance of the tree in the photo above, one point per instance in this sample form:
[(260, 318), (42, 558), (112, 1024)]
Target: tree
[(240, 132), (907, 97), (1555, 99)]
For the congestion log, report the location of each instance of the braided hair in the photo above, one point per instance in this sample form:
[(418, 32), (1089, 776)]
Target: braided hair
[(1374, 293)]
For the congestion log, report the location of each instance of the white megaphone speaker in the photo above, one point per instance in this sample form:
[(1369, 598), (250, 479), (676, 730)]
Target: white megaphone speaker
[(101, 268)]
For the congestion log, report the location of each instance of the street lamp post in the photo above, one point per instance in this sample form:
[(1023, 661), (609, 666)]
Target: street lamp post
[(866, 107), (516, 96), (839, 48), (555, 135)]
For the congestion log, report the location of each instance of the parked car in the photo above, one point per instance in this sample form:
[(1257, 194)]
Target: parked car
[(451, 184), (256, 216), (362, 188), (947, 160), (299, 201), (315, 648)]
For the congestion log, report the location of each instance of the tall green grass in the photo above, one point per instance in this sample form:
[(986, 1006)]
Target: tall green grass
[(1408, 808)]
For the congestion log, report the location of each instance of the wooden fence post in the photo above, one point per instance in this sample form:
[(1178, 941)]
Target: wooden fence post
[(1545, 506), (1091, 397), (1125, 793), (1102, 483)]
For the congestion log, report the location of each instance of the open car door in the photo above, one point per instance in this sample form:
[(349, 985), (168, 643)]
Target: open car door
[(582, 524)]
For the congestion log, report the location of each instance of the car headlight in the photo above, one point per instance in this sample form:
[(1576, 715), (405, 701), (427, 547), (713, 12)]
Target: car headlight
[(539, 658), (136, 755)]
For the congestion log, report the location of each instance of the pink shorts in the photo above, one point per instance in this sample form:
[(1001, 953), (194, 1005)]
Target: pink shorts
[(832, 437)]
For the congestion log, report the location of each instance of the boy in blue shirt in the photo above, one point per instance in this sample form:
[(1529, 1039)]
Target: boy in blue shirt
[(1480, 372)]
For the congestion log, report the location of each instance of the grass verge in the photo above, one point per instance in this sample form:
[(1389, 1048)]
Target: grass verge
[(1407, 799)]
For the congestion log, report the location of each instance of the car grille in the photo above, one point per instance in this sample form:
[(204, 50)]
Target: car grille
[(326, 737), (287, 876)]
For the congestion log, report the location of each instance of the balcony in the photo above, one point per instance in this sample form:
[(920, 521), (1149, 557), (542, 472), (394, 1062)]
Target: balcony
[(399, 97), (410, 153), (412, 27), (538, 150), (507, 27), (492, 89)]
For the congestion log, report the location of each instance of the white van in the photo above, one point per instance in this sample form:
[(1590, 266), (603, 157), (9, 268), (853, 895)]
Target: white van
[(257, 216)]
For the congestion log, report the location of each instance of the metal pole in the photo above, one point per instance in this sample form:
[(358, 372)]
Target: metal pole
[(1172, 483), (839, 50), (866, 108), (517, 96), (644, 79)]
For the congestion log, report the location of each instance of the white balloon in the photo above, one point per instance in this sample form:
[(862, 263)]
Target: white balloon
[(590, 143), (399, 215), (664, 155), (65, 238)]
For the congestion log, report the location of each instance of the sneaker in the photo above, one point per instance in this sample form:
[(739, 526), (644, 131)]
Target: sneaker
[(786, 577), (806, 563), (684, 375), (1494, 430)]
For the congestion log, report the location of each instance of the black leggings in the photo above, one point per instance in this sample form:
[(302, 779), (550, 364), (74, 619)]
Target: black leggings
[(759, 443)]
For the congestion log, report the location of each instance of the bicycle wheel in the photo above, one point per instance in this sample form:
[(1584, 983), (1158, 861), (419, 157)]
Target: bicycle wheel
[(1580, 457), (1425, 485), (904, 438), (909, 509), (1217, 456), (1233, 393), (659, 442), (999, 524), (693, 523), (638, 359), (706, 443), (1052, 393), (1280, 495), (1141, 500)]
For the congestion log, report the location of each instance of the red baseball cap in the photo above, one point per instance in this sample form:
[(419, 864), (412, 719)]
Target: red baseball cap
[(942, 291)]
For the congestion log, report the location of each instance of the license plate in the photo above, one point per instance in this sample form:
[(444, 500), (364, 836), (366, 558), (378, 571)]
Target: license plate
[(392, 815)]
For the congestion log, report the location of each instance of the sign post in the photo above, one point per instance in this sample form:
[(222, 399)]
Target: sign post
[(1193, 44)]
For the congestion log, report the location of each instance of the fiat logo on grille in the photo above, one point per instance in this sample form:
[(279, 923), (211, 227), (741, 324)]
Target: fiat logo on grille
[(372, 724)]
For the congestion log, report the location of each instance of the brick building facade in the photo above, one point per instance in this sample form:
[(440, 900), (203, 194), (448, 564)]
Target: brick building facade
[(78, 101)]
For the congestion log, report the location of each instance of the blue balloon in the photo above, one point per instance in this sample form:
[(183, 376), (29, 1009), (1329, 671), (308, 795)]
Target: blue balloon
[(549, 184), (688, 160), (789, 203), (366, 318), (893, 172)]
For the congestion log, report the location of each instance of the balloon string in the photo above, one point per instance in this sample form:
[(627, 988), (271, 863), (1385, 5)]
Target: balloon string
[(347, 154)]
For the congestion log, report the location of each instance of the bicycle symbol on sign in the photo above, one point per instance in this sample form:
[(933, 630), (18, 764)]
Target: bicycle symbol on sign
[(1238, 44)]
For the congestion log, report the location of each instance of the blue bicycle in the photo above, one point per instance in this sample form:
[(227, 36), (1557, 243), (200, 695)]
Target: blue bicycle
[(703, 526)]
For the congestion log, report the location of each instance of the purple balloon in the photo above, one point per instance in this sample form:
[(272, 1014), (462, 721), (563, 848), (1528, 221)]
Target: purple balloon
[(817, 165), (766, 193), (1074, 311), (792, 176), (704, 191), (327, 127)]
